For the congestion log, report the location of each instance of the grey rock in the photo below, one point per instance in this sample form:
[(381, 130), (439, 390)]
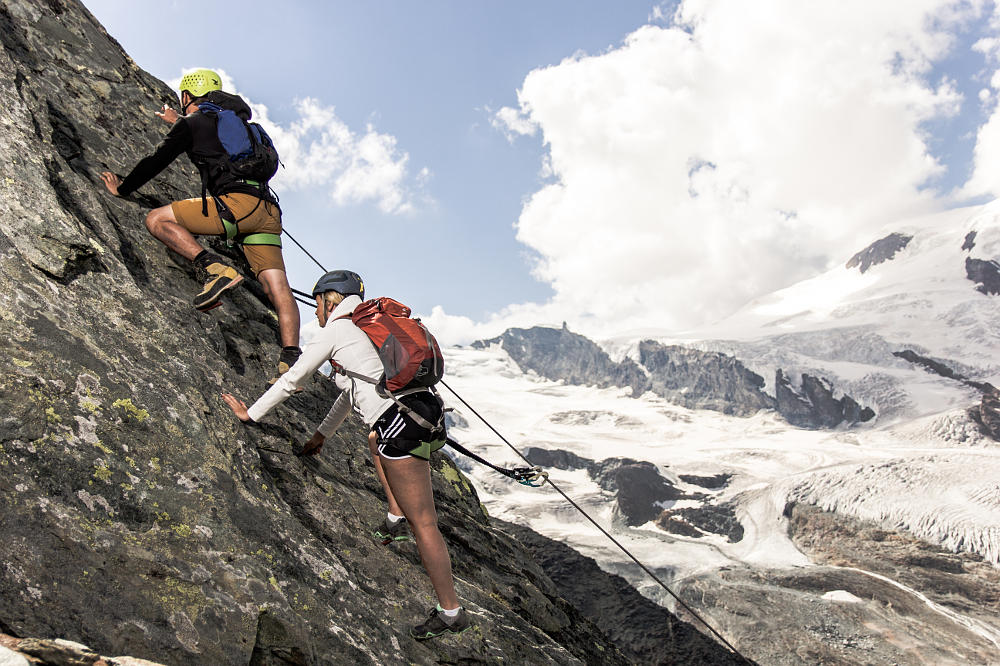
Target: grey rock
[(813, 406), (557, 458), (638, 486), (987, 414), (985, 273), (878, 252), (714, 482), (703, 380), (939, 367), (786, 616), (699, 521), (560, 354), (970, 241), (687, 377), (58, 652), (793, 406), (10, 658)]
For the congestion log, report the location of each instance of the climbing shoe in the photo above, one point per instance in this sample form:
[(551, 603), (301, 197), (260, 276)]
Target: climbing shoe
[(218, 277), (289, 355), (438, 623), (390, 532)]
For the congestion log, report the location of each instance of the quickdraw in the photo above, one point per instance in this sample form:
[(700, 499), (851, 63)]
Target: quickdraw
[(534, 477)]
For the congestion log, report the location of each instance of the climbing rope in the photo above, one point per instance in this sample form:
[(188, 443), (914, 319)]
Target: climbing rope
[(297, 295), (603, 531), (292, 238)]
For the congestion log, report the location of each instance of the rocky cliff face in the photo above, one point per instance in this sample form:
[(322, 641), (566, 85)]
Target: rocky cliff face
[(985, 273), (703, 380), (813, 404), (640, 494), (878, 252), (139, 517), (559, 354), (688, 377)]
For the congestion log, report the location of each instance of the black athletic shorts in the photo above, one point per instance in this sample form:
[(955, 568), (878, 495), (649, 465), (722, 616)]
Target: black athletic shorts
[(399, 436)]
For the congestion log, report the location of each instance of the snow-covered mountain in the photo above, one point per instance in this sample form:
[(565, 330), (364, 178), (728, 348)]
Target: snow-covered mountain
[(726, 507)]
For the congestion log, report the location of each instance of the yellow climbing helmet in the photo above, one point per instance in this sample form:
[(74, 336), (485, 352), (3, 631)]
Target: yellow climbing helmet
[(200, 82)]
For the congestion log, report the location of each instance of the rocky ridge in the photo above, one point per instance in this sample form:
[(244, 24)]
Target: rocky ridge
[(139, 516), (987, 413), (880, 251), (813, 405), (642, 494), (685, 376)]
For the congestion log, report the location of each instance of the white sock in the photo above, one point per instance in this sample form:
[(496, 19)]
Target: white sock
[(393, 518), (449, 615)]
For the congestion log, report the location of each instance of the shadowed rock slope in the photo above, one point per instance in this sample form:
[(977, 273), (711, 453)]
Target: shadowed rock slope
[(647, 632), (139, 517)]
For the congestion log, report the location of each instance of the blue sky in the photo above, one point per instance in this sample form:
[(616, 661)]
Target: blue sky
[(426, 73), (619, 165)]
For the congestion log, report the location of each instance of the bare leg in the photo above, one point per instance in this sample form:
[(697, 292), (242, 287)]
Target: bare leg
[(275, 284), (163, 225), (411, 480), (380, 473)]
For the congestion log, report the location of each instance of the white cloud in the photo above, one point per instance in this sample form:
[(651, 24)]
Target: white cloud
[(320, 151), (662, 12), (744, 148), (513, 123), (459, 330), (985, 178)]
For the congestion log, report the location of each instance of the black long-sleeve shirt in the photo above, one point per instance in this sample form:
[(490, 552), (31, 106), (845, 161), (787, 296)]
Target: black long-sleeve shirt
[(178, 140), (196, 135)]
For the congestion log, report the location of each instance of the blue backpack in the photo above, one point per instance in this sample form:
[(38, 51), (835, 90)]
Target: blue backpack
[(252, 155)]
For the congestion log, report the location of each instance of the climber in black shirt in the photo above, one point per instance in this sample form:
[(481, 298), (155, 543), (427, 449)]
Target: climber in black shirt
[(243, 211)]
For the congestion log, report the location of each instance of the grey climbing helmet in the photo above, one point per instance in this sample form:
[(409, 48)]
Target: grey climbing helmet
[(347, 283)]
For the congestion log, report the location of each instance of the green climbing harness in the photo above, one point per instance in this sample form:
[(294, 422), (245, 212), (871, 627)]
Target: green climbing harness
[(232, 225)]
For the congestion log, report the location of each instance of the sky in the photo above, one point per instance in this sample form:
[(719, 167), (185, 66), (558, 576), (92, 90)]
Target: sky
[(614, 165)]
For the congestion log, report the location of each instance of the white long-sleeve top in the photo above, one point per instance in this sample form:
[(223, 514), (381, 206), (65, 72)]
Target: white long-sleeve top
[(347, 345)]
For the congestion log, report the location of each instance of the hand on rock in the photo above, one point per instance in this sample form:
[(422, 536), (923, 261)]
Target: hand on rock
[(313, 446), (111, 181), (167, 114), (238, 406)]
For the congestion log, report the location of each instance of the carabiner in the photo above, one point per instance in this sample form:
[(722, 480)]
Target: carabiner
[(534, 477)]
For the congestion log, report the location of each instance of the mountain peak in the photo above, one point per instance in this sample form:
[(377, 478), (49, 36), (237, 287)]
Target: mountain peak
[(880, 251)]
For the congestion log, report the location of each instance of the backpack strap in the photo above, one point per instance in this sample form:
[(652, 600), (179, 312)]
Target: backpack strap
[(385, 393), (209, 109)]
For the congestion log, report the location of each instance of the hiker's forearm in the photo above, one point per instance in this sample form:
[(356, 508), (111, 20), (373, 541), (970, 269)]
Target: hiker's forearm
[(176, 142)]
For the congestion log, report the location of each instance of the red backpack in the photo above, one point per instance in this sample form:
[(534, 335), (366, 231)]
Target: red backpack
[(409, 353)]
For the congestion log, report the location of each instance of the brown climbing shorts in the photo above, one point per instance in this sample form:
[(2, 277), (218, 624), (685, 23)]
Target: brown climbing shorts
[(266, 219)]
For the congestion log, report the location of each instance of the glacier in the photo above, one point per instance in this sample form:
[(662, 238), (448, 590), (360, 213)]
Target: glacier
[(923, 465)]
